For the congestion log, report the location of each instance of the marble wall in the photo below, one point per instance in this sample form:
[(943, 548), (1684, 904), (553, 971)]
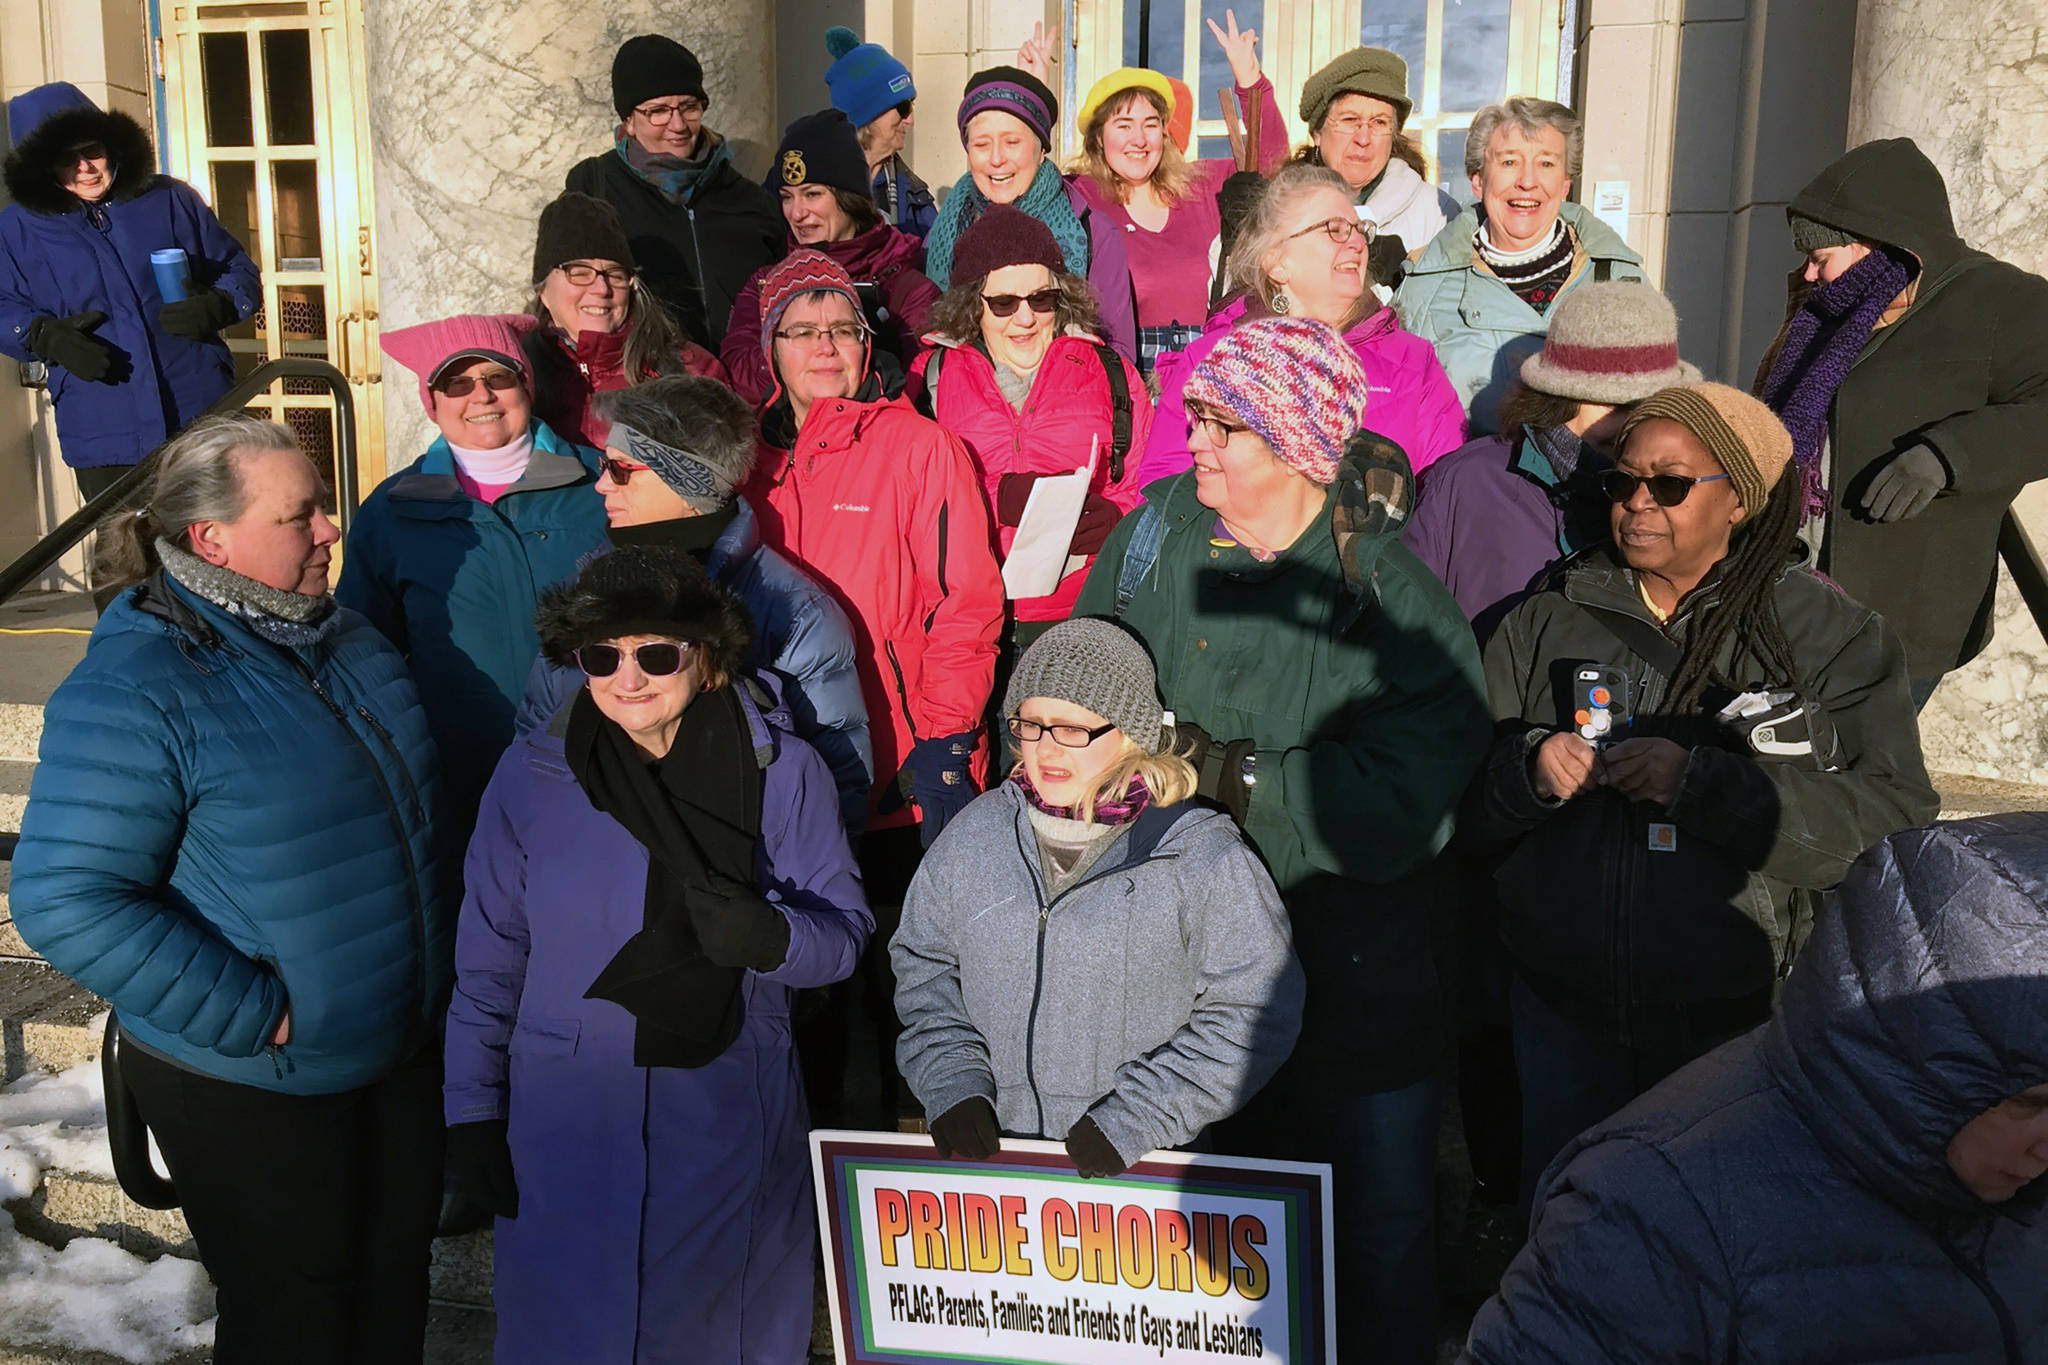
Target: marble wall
[(478, 111), (1968, 81)]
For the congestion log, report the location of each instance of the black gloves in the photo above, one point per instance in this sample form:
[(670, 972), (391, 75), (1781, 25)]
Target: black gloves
[(968, 1130), (480, 1164), (1093, 1154), (1905, 484), (937, 774), (1224, 772), (68, 342), (738, 928), (199, 317)]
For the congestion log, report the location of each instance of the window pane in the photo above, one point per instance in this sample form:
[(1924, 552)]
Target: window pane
[(296, 197), (224, 81), (288, 84), (1163, 50), (314, 428), (1215, 73), (1450, 164), (303, 325), (234, 203), (1400, 26), (1475, 70)]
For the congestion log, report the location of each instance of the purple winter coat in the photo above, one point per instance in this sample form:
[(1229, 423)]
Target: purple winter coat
[(665, 1215)]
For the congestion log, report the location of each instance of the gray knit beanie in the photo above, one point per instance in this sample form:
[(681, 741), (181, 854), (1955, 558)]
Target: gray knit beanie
[(1810, 234), (1099, 665), (1609, 341)]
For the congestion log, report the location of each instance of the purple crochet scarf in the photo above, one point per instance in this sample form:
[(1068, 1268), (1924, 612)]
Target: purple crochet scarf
[(1120, 811), (1822, 341)]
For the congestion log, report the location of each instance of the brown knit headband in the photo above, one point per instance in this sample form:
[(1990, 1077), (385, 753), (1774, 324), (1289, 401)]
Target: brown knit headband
[(1741, 433)]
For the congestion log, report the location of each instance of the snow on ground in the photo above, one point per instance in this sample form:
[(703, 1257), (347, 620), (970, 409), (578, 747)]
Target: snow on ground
[(52, 1120)]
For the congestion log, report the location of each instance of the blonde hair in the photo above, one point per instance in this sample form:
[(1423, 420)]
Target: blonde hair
[(1265, 230), (1173, 179), (1169, 777)]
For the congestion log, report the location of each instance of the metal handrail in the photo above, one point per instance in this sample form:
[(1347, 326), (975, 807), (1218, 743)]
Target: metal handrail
[(2023, 562), (41, 557)]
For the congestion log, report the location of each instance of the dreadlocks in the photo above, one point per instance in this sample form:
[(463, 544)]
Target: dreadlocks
[(1746, 610)]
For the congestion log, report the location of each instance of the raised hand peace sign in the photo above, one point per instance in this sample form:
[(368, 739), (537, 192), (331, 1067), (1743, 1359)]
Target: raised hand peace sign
[(1035, 54), (1240, 46)]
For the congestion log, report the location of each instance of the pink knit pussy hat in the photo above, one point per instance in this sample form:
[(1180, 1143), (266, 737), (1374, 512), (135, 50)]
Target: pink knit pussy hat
[(428, 348)]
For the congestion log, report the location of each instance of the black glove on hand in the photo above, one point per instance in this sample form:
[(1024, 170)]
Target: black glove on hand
[(67, 342), (198, 318), (1093, 1154), (937, 774), (480, 1164), (1905, 485), (1219, 768), (968, 1130), (737, 927)]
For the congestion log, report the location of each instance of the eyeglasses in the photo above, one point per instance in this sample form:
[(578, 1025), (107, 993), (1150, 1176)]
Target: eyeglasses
[(1066, 736), (656, 658), (1215, 429), (580, 274), (1379, 126), (659, 114), (1042, 301), (1341, 230), (462, 385), (617, 470), (1668, 489), (839, 333)]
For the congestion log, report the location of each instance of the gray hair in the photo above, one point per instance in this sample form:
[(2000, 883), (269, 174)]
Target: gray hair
[(1267, 224), (198, 478), (690, 413), (1532, 116)]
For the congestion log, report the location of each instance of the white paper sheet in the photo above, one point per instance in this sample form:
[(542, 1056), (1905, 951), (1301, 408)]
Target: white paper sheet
[(1039, 555)]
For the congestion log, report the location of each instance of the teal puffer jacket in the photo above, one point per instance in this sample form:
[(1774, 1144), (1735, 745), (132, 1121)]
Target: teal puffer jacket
[(220, 827)]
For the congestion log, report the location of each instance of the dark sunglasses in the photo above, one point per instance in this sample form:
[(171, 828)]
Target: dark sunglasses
[(618, 471), (1043, 301), (462, 385), (1668, 489), (903, 107), (656, 658)]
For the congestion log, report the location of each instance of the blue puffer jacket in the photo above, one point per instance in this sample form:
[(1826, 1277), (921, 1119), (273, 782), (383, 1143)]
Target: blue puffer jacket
[(59, 257), (799, 632), (220, 827), (1788, 1197), (452, 582)]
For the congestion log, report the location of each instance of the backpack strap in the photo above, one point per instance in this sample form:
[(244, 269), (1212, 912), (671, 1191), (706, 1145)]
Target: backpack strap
[(1120, 410), (926, 399), (1641, 639), (1140, 555), (1603, 270)]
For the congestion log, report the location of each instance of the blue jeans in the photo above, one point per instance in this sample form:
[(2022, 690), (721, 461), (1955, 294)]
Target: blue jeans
[(1383, 1151)]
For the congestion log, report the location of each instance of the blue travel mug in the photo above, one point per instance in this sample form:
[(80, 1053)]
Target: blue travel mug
[(169, 265)]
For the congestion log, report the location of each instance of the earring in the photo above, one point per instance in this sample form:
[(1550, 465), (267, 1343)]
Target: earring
[(1281, 305)]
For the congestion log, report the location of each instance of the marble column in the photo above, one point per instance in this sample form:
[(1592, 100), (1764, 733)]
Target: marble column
[(477, 112), (1968, 81)]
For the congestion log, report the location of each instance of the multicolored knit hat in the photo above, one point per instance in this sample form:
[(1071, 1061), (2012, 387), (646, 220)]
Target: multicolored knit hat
[(1612, 341), (803, 271), (1737, 430), (429, 348), (1294, 382), (1015, 92), (865, 81)]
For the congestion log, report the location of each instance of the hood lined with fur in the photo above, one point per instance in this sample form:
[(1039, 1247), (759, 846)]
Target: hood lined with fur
[(33, 169)]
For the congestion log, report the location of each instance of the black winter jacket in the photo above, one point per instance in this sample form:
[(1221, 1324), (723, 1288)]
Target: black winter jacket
[(1788, 1197), (1620, 933), (694, 256), (1965, 370)]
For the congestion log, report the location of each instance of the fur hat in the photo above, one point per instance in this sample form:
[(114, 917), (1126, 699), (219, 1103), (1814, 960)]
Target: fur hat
[(651, 67), (580, 227), (1609, 341), (48, 125), (1292, 381), (1362, 71), (865, 81), (645, 590), (1738, 430)]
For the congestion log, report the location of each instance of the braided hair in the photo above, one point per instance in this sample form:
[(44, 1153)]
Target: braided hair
[(1747, 608)]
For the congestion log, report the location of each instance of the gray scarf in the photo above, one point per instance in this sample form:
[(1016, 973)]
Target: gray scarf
[(291, 619)]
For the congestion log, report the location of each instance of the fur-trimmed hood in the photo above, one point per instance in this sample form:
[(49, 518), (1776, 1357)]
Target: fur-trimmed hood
[(47, 124), (645, 590)]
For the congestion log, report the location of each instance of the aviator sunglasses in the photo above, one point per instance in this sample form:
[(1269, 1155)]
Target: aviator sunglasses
[(656, 658), (1668, 489), (462, 385), (1042, 301)]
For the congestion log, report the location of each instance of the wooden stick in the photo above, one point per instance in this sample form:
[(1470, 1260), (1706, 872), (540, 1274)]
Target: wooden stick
[(1228, 99)]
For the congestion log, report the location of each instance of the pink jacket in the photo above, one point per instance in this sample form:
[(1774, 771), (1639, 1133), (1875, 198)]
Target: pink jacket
[(1412, 404)]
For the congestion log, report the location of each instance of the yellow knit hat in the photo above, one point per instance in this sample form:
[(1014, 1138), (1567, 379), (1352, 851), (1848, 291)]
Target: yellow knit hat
[(1118, 81)]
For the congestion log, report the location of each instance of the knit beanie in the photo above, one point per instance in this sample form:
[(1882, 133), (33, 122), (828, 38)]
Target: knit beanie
[(865, 81), (1097, 664), (1612, 341), (428, 349), (580, 227), (1011, 91), (1295, 382), (1180, 124), (1119, 81), (821, 149), (651, 67), (1737, 430), (1809, 234), (1005, 235), (1361, 71), (803, 271)]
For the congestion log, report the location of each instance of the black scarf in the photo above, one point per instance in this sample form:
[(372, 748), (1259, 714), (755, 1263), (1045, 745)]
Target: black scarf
[(694, 536), (698, 813)]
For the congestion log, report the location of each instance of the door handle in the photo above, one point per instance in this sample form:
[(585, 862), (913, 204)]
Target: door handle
[(373, 362), (341, 348)]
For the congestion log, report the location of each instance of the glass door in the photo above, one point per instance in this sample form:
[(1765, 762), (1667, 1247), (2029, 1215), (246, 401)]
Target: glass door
[(261, 117)]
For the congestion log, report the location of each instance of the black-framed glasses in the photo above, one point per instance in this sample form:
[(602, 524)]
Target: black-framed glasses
[(463, 385), (1339, 230), (840, 334), (617, 470), (1668, 489), (582, 274), (656, 658), (660, 114), (1214, 428), (1066, 736), (1041, 301)]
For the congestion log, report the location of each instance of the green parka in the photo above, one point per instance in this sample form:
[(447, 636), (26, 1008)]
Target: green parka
[(1355, 673)]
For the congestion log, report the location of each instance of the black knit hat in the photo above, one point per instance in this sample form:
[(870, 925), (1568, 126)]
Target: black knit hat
[(645, 590), (821, 149), (580, 227), (649, 67)]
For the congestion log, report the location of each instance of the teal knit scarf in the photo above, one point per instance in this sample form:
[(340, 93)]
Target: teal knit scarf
[(676, 177), (1046, 201)]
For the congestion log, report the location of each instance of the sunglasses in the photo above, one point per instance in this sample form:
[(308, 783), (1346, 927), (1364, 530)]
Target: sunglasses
[(462, 385), (618, 471), (1668, 489), (656, 658), (1042, 301)]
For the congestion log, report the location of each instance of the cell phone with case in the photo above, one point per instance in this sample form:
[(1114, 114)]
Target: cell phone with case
[(1600, 704)]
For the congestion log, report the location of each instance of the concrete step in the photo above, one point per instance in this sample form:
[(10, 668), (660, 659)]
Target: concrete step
[(11, 945), (1963, 797), (72, 1204), (21, 731), (48, 1021), (455, 1336)]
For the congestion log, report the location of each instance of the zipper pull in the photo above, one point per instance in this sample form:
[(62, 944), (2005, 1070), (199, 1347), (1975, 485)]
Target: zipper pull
[(274, 1064)]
